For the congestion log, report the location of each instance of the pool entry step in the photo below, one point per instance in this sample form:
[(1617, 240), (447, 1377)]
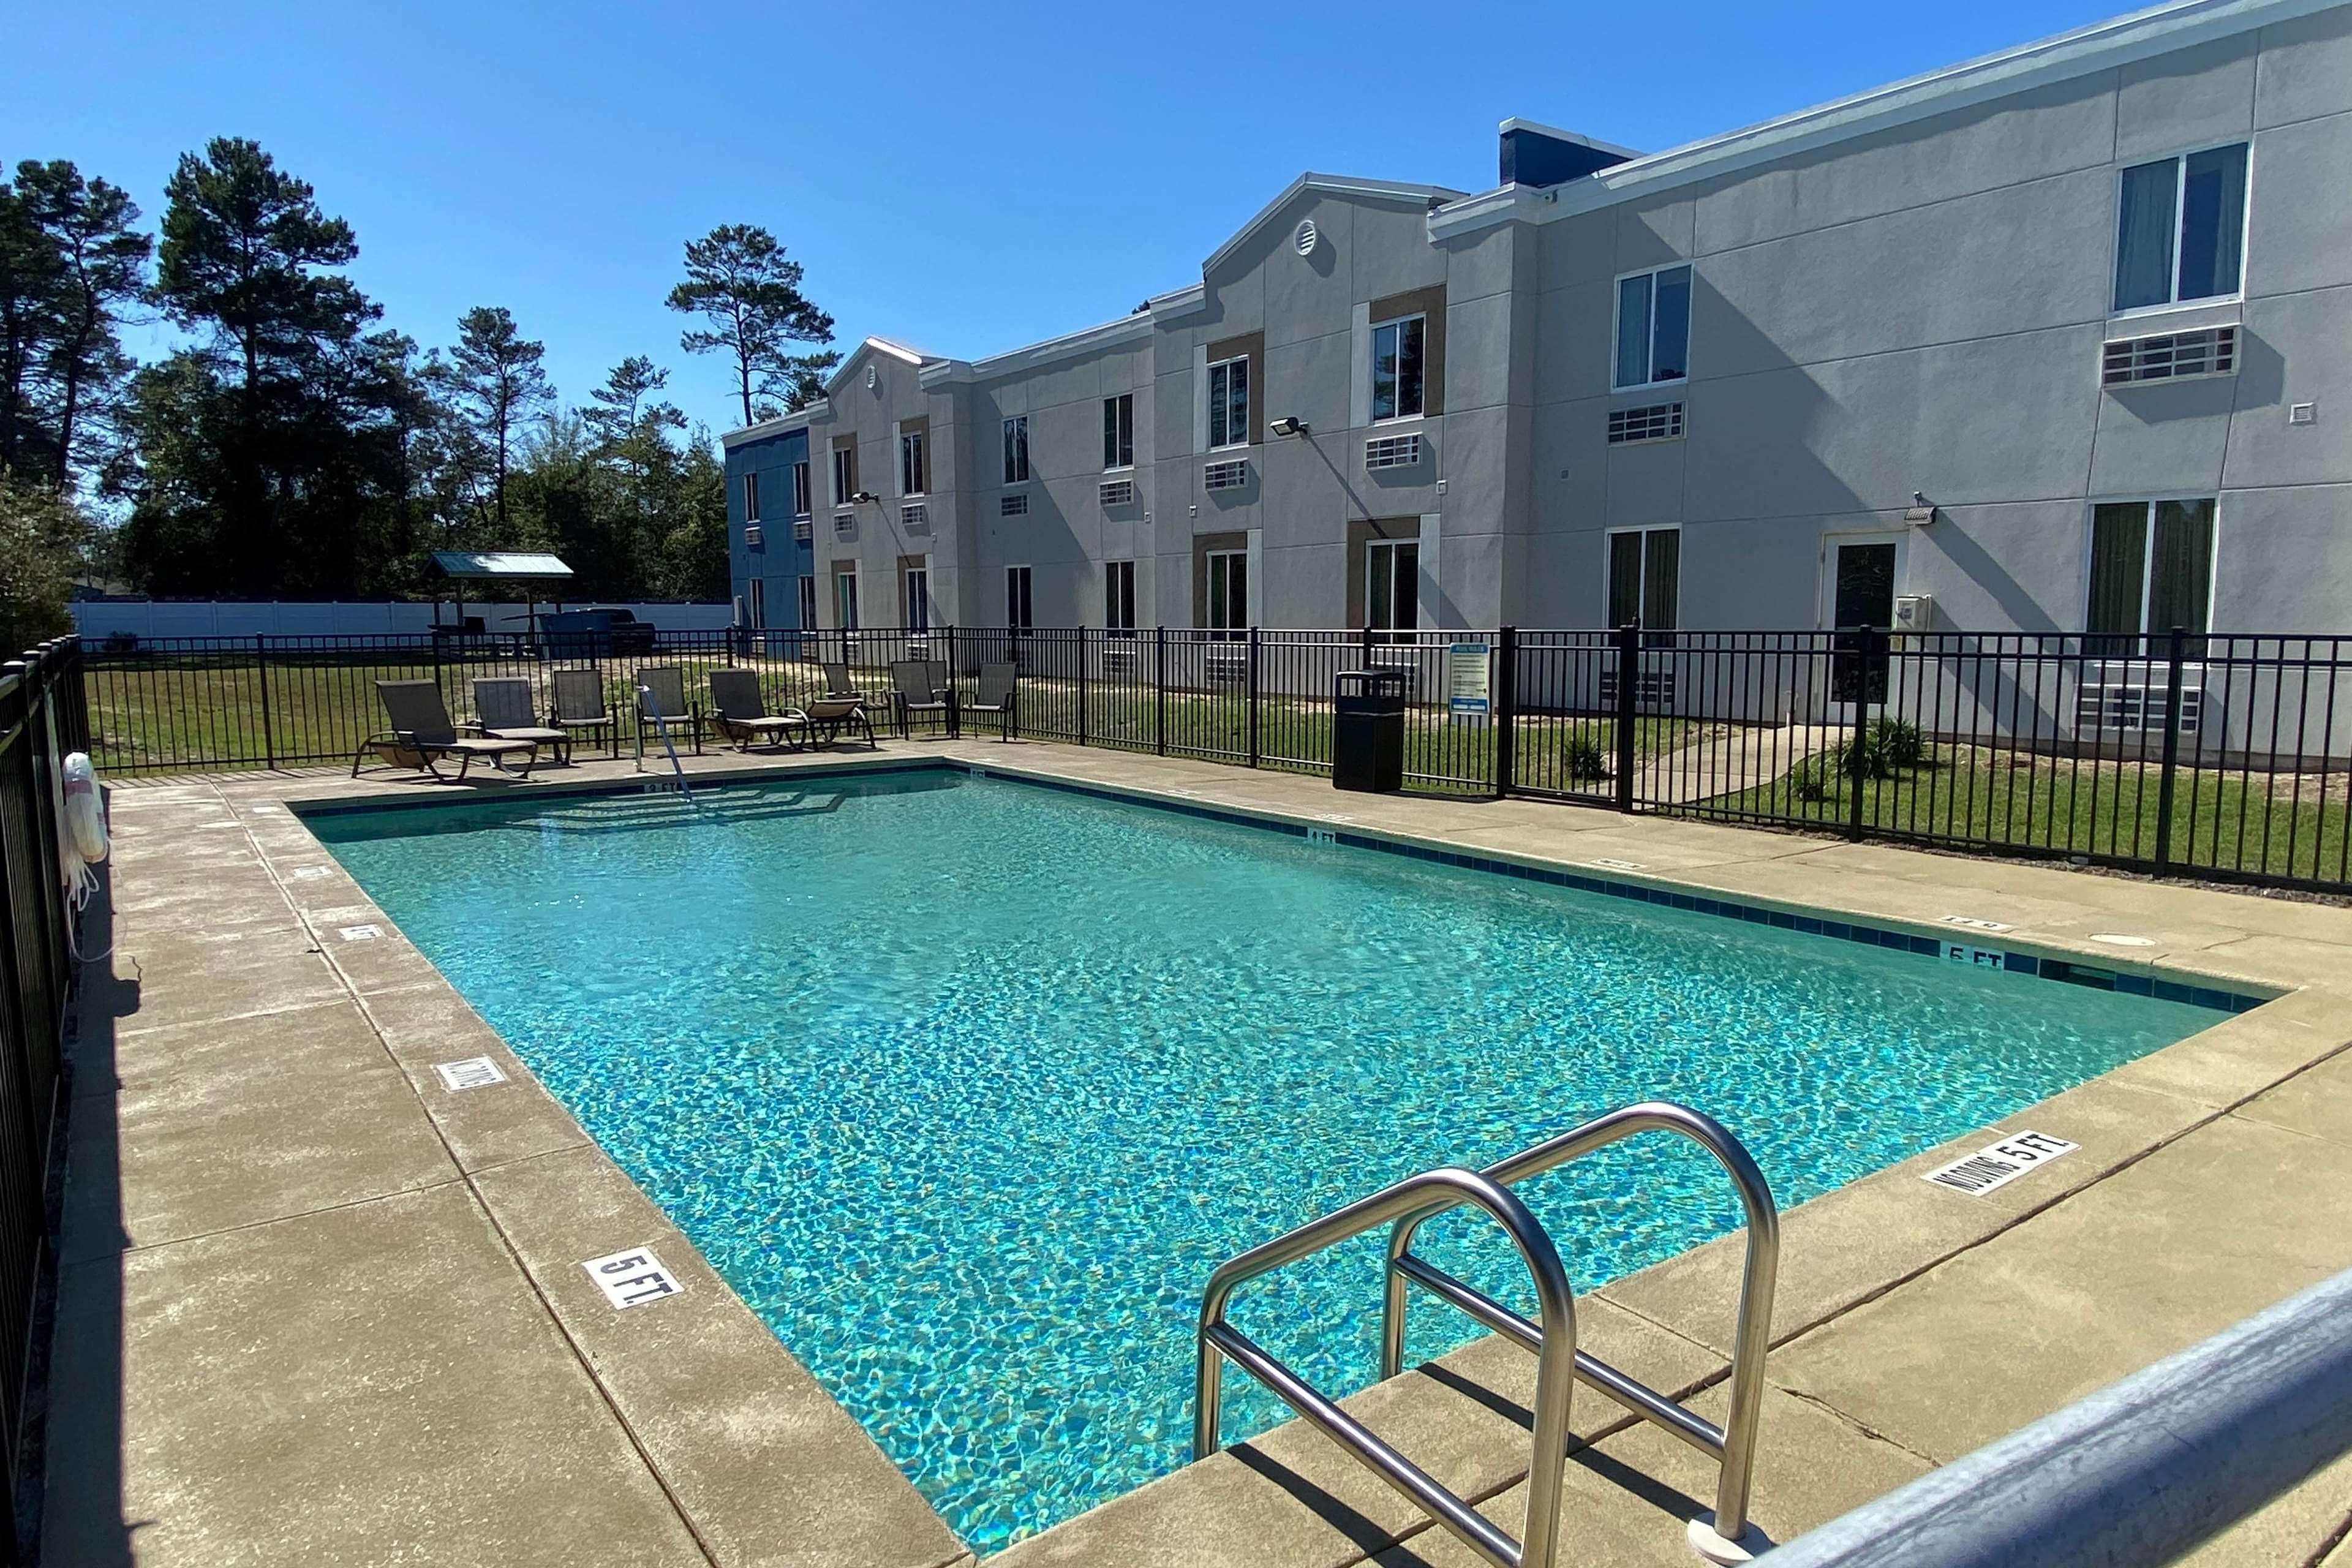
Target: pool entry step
[(1724, 1537)]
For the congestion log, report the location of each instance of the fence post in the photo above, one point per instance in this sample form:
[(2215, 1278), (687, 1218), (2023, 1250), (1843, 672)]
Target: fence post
[(1160, 691), (1252, 699), (1082, 685), (1855, 761), (1505, 718), (269, 732), (1629, 681), (2177, 646), (955, 674)]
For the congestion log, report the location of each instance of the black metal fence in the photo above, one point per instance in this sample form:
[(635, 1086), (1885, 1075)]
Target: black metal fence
[(41, 720), (2218, 756)]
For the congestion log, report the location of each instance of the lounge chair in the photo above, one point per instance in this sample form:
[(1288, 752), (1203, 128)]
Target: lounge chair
[(581, 709), (914, 691), (837, 682), (741, 714), (999, 685), (661, 691), (421, 729), (502, 710)]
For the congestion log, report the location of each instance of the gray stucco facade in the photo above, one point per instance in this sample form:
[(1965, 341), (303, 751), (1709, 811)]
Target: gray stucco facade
[(1902, 331)]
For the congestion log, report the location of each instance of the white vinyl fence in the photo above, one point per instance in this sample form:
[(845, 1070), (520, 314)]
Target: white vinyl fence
[(217, 618)]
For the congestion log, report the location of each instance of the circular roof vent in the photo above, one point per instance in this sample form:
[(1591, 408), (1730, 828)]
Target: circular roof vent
[(1306, 237)]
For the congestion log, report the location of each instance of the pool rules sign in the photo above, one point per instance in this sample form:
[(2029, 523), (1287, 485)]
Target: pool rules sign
[(1466, 679)]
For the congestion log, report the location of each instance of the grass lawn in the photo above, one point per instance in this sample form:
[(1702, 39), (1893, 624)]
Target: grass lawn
[(2219, 821)]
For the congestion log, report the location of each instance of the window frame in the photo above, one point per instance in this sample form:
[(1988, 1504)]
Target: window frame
[(915, 585), (1642, 584), (1225, 405), (1021, 613), (914, 464), (1119, 606), (1421, 409), (807, 601), (1118, 432), (1650, 335), (844, 476), (801, 493), (755, 602), (845, 602), (752, 497), (2179, 161), (1375, 548), (2148, 503), (1016, 424), (1233, 627)]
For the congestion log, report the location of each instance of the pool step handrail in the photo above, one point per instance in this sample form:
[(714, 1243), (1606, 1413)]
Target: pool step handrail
[(1550, 1336), (651, 709)]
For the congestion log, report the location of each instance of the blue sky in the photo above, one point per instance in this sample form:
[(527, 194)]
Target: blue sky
[(965, 177)]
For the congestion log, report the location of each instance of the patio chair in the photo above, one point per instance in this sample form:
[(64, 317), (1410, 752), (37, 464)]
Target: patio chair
[(741, 714), (1000, 684), (579, 707), (837, 682), (914, 692), (502, 710), (661, 690), (421, 729)]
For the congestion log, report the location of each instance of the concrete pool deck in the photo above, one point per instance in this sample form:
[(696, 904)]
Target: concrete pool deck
[(314, 1307)]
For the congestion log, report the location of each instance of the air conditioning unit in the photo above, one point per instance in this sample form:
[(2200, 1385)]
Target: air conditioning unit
[(1393, 451), (801, 531), (1650, 422), (1405, 660), (1013, 505), (1117, 492), (1121, 659), (2169, 356), (845, 525), (915, 518), (1227, 476), (2128, 698), (754, 535), (1653, 690)]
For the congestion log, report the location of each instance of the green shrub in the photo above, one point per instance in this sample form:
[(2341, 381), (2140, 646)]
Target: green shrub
[(1581, 759), (1809, 780), (1897, 745)]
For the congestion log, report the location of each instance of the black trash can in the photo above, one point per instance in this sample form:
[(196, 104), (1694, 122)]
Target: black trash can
[(1367, 730)]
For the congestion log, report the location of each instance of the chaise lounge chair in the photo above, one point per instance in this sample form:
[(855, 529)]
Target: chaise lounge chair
[(917, 692), (421, 729), (581, 709), (1000, 684), (502, 710), (741, 714)]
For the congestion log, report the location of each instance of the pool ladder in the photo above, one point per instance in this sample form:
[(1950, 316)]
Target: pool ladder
[(1551, 1337), (650, 709)]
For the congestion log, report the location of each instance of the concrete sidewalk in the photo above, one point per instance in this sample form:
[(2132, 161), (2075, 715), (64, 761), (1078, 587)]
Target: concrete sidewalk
[(316, 1307)]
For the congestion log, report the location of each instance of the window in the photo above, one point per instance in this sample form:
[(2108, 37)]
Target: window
[(1392, 584), (800, 488), (1119, 431), (1118, 598), (1652, 327), (1397, 361), (1016, 450), (2181, 228), (845, 474), (918, 598), (1229, 396), (1645, 577), (1017, 604), (2151, 569), (914, 474), (808, 601), (1228, 590), (756, 599), (845, 599), (751, 498)]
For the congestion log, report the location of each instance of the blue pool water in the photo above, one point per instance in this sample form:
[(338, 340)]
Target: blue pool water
[(966, 1085)]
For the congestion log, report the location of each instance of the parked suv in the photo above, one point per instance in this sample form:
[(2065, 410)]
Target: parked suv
[(592, 634)]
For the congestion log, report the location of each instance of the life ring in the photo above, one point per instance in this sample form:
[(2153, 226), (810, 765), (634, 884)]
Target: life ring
[(85, 813)]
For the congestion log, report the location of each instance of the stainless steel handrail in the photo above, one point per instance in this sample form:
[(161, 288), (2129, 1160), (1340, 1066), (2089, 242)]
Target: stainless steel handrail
[(1433, 1192), (1732, 1443), (1551, 1336)]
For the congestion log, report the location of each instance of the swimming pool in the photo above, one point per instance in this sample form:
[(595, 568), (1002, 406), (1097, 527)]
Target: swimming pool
[(966, 1085)]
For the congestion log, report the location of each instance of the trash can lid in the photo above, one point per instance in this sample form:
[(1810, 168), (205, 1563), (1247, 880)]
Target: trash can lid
[(1368, 679)]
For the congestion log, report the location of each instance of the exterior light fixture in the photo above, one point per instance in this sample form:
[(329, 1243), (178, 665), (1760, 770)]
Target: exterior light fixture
[(1289, 424)]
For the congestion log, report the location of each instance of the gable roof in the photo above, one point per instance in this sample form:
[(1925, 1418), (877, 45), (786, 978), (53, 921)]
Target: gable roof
[(2102, 46)]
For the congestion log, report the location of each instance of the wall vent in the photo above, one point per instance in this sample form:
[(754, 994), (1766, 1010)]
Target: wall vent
[(1118, 493), (1015, 505), (2174, 356), (754, 535), (915, 517), (1393, 451), (1230, 475), (1650, 422)]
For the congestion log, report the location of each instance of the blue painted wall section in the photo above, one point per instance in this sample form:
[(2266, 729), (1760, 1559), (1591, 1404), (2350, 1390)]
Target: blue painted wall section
[(780, 560)]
